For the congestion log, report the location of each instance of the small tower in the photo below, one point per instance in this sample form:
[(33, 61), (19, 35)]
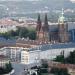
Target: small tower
[(63, 28)]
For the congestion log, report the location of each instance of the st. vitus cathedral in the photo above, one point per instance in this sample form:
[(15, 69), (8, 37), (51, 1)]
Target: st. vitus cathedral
[(43, 32)]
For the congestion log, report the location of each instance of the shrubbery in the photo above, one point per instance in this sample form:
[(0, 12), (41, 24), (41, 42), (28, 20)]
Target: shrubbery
[(21, 32), (69, 60), (59, 71), (6, 69)]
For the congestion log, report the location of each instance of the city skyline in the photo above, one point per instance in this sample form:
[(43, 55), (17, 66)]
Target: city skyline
[(37, 36)]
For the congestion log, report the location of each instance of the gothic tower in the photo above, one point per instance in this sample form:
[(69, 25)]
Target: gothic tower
[(39, 29), (46, 29), (42, 29), (63, 29)]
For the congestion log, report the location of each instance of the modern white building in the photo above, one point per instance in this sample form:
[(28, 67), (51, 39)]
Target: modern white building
[(25, 56), (50, 51), (3, 61), (34, 55), (14, 53)]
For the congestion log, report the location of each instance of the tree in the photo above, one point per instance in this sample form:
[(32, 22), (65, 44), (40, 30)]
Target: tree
[(8, 68), (71, 58), (32, 35), (59, 71), (23, 32), (60, 58)]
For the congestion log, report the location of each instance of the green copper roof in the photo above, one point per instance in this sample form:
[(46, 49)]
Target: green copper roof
[(62, 18)]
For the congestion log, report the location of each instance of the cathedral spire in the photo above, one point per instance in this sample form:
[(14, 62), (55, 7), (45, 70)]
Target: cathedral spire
[(39, 18), (42, 29), (46, 27), (46, 19), (38, 23), (62, 18)]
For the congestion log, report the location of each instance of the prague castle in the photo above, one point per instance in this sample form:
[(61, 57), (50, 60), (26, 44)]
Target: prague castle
[(50, 42), (60, 35), (48, 34)]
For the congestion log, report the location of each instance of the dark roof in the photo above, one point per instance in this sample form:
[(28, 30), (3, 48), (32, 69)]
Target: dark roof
[(7, 41), (54, 46)]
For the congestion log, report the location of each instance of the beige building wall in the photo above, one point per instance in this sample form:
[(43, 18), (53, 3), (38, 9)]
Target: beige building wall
[(24, 57)]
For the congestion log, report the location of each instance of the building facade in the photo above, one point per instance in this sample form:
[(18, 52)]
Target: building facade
[(3, 61), (13, 53), (46, 34), (42, 29), (36, 54), (25, 56)]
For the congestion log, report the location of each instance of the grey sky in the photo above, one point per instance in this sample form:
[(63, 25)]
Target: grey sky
[(33, 0), (26, 0), (19, 0)]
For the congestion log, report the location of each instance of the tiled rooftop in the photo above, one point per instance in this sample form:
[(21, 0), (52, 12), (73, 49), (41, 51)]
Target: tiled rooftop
[(54, 46), (39, 46)]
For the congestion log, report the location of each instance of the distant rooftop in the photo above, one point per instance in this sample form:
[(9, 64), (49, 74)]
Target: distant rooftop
[(54, 46), (5, 42)]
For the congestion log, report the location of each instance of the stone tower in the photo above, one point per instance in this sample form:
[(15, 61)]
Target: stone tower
[(42, 29), (46, 29), (63, 28), (39, 29)]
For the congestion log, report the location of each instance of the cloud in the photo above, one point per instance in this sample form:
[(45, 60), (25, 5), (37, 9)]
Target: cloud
[(72, 1), (32, 0)]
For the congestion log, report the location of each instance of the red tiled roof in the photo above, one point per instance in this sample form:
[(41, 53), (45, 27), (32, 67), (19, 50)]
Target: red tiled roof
[(7, 21), (60, 65)]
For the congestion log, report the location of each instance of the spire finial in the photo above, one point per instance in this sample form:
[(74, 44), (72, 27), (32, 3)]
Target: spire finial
[(62, 11), (46, 19), (38, 16)]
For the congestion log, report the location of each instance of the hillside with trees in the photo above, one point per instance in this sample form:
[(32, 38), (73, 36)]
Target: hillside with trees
[(21, 32)]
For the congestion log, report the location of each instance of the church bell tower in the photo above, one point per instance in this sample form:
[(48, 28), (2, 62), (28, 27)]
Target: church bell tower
[(63, 28)]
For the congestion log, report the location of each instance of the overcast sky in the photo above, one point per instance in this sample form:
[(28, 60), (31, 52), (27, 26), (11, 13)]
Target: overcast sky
[(19, 0), (25, 0), (29, 0), (72, 0)]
